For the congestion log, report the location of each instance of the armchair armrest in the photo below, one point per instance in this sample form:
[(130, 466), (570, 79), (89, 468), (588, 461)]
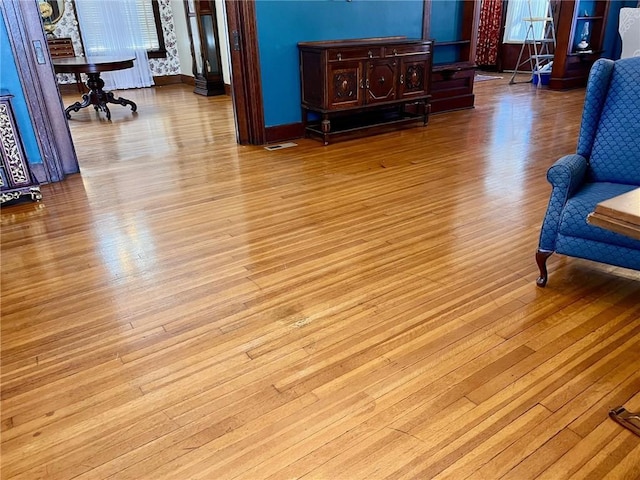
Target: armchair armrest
[(567, 174), (565, 177)]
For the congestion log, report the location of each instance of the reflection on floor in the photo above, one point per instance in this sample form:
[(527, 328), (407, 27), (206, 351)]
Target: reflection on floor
[(191, 308)]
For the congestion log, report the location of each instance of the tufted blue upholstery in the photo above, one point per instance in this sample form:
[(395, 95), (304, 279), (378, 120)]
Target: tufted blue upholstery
[(607, 164)]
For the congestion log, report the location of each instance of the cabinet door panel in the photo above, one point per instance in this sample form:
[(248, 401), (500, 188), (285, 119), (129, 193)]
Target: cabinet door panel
[(414, 76), (345, 81), (381, 81)]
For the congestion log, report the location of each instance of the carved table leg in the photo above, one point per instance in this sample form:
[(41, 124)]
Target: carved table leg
[(105, 109), (99, 105), (86, 101), (94, 97), (99, 98), (120, 101)]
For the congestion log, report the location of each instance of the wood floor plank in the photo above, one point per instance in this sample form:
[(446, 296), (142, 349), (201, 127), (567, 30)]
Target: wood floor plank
[(397, 402), (587, 422), (187, 307), (536, 463), (545, 430)]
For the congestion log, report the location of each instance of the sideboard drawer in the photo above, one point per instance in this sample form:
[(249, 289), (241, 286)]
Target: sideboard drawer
[(339, 54), (401, 50)]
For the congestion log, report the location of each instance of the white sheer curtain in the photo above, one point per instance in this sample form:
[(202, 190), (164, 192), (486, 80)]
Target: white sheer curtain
[(515, 30), (629, 28), (112, 28)]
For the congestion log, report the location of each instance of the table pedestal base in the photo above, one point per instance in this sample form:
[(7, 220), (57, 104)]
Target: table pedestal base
[(98, 98)]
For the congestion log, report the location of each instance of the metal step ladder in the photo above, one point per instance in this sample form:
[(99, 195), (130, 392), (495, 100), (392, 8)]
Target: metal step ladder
[(540, 50)]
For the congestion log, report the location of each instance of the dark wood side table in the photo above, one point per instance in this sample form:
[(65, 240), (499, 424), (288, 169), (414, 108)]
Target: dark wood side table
[(93, 66)]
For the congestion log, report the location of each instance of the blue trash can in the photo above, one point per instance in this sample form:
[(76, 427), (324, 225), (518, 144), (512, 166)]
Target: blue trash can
[(544, 78)]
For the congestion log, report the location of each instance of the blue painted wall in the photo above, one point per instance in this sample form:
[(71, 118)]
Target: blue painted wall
[(284, 23), (612, 43), (446, 26), (10, 82)]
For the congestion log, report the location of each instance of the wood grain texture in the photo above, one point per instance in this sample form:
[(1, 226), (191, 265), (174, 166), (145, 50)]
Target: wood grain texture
[(620, 214), (191, 308)]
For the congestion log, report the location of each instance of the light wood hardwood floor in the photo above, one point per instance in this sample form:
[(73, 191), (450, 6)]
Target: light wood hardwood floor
[(188, 308)]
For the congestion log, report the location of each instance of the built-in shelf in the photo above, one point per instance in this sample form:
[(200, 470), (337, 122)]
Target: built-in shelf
[(455, 22), (454, 42), (571, 65), (585, 52), (442, 67)]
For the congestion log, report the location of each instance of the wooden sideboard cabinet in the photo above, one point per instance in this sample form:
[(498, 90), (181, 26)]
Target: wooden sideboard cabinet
[(16, 178), (355, 86)]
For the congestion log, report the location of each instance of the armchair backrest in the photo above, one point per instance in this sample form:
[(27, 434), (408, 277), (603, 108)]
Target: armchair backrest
[(610, 129)]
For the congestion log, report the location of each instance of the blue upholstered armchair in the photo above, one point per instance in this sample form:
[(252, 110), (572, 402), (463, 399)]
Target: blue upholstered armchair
[(607, 164)]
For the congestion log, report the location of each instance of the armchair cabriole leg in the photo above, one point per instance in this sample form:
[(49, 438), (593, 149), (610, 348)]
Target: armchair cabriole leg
[(541, 260)]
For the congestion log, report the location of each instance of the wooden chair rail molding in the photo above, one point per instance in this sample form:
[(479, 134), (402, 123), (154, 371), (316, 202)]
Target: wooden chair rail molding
[(193, 308)]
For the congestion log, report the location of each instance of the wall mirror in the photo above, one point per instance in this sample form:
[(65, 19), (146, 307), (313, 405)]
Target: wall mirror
[(51, 12)]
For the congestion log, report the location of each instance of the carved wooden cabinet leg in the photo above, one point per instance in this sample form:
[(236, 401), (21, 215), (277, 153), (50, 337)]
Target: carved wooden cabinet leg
[(541, 260), (326, 128), (427, 112), (36, 194)]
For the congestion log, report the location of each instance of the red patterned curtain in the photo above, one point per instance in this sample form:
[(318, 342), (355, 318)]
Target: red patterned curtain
[(489, 32)]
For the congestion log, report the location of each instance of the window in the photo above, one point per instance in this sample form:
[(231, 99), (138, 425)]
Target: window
[(145, 14), (515, 30), (111, 24), (151, 27)]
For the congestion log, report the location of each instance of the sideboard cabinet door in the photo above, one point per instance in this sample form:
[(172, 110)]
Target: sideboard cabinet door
[(414, 76), (381, 80), (345, 85)]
